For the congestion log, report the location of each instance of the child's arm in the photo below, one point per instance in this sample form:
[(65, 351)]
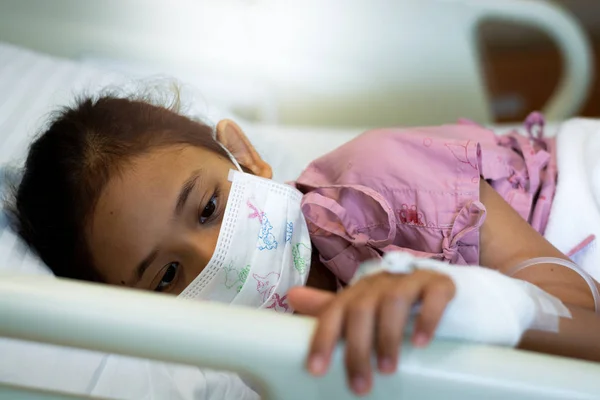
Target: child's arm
[(373, 311), (507, 240), (577, 337)]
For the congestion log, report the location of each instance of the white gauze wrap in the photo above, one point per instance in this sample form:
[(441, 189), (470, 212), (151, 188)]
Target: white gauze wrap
[(488, 307)]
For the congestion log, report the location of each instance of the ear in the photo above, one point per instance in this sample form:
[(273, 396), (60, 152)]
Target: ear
[(233, 138)]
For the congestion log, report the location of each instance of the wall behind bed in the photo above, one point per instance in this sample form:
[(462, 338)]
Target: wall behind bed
[(522, 66), (323, 62), (335, 62)]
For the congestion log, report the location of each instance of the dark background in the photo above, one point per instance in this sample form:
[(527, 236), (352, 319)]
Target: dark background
[(513, 57)]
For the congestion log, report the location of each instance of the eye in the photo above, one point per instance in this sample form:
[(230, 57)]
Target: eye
[(168, 277), (208, 210)]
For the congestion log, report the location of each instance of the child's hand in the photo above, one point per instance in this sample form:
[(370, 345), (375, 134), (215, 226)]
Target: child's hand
[(372, 313)]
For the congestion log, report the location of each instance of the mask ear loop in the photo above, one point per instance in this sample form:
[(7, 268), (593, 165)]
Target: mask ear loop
[(231, 157)]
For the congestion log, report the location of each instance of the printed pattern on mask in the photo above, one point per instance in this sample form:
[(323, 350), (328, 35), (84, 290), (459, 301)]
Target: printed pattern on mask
[(267, 239), (289, 231), (266, 284), (279, 303), (263, 248), (301, 254), (234, 276)]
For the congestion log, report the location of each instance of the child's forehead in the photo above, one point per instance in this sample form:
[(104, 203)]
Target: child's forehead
[(157, 177), (184, 151), (167, 160), (166, 167), (160, 173)]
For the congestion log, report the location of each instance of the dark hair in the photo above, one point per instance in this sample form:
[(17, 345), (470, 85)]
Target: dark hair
[(69, 165)]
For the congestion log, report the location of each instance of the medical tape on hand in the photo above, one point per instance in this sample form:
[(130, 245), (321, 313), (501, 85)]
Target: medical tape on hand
[(531, 306)]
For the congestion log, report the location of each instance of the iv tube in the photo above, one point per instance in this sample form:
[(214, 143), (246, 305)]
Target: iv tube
[(553, 260)]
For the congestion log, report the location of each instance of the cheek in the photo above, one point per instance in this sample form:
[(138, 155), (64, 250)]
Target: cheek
[(200, 245), (198, 253), (111, 257), (122, 234)]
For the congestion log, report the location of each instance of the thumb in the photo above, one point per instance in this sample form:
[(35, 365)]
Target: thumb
[(309, 301)]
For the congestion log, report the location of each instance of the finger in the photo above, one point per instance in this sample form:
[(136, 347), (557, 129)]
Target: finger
[(359, 333), (394, 312), (329, 324), (436, 296), (309, 301), (327, 333)]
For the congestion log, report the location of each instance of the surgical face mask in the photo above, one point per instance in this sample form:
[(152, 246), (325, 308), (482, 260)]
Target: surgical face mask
[(263, 248)]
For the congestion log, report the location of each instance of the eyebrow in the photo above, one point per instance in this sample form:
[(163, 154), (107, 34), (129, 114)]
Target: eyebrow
[(144, 264), (186, 189)]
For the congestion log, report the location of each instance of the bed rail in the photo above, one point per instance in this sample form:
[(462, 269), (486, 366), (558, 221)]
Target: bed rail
[(123, 321)]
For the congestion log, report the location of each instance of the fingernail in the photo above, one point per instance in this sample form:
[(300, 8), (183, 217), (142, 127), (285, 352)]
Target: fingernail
[(359, 384), (316, 365), (386, 365), (420, 340)]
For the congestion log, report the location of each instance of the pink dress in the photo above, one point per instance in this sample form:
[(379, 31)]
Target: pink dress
[(417, 190)]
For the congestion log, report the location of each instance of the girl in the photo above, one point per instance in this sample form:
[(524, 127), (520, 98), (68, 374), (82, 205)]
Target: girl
[(124, 192)]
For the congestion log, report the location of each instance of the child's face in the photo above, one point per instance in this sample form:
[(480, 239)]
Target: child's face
[(156, 223)]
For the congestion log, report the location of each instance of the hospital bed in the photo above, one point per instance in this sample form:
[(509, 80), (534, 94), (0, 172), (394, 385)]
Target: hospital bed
[(53, 329)]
